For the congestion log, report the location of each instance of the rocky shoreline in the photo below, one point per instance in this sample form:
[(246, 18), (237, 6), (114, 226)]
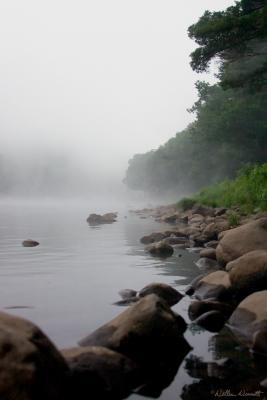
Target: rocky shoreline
[(141, 349)]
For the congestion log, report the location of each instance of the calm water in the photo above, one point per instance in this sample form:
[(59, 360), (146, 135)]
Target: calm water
[(68, 283)]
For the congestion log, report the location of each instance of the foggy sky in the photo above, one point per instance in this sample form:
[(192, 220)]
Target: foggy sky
[(96, 80)]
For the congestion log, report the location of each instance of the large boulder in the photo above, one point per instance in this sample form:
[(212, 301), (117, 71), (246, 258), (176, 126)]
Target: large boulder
[(31, 368), (249, 321), (100, 373), (241, 240), (215, 286), (248, 273), (97, 219), (165, 292), (160, 249), (145, 332), (202, 210)]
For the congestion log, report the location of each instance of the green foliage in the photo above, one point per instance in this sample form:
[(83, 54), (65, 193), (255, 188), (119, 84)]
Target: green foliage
[(248, 191), (186, 203), (230, 131), (236, 35), (233, 218)]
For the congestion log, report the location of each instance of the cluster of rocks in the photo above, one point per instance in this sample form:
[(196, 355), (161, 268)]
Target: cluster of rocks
[(97, 219), (232, 289), (140, 350)]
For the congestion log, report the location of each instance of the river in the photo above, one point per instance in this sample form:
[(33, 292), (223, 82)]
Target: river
[(68, 284)]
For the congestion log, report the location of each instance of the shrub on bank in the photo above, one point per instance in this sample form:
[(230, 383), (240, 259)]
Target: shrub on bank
[(248, 191)]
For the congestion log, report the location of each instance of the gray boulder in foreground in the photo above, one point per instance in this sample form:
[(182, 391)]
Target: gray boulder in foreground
[(249, 322), (31, 368), (144, 332), (100, 373)]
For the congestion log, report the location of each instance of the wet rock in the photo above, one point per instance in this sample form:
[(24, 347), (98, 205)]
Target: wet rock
[(207, 264), (263, 384), (196, 219), (160, 249), (210, 232), (193, 285), (215, 285), (144, 332), (241, 240), (194, 249), (165, 292), (154, 237), (127, 293), (249, 321), (30, 243), (97, 219), (100, 373), (126, 302), (248, 273), (212, 321), (31, 368), (174, 240), (200, 307), (220, 211), (169, 219), (208, 253), (212, 244), (202, 210)]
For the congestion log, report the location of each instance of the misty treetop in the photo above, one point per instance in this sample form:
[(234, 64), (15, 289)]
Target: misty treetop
[(230, 129), (235, 35)]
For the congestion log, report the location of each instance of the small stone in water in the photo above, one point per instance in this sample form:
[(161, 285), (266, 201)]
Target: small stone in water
[(30, 243)]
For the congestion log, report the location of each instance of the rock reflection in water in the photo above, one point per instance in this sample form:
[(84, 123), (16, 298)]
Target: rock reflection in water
[(234, 372)]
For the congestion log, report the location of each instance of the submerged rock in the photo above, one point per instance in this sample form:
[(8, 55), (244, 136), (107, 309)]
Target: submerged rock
[(31, 368), (127, 293), (154, 237), (207, 264), (100, 373), (144, 332), (160, 249), (30, 243), (165, 292)]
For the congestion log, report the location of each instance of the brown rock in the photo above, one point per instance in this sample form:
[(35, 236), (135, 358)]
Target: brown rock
[(199, 307), (144, 332), (241, 240), (154, 237), (30, 243), (160, 249), (215, 285), (248, 273), (31, 368), (249, 321), (165, 292), (208, 253), (97, 372)]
